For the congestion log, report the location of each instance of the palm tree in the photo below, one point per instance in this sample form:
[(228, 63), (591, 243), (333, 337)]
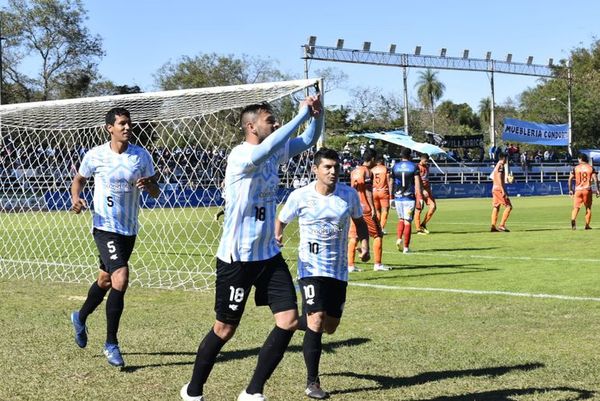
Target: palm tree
[(485, 110), (429, 90)]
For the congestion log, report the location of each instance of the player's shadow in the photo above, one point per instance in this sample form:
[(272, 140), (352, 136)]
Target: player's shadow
[(509, 394), (329, 347), (381, 382)]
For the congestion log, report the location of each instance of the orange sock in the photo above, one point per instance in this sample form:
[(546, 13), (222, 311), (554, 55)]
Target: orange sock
[(400, 228), (505, 216), (417, 219), (351, 250), (377, 249), (494, 216), (407, 232), (384, 216)]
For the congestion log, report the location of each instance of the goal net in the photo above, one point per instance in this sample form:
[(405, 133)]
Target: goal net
[(189, 134)]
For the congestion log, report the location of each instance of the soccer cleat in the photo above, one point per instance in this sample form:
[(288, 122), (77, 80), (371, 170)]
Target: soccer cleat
[(494, 229), (503, 229), (399, 244), (352, 269), (314, 390), (588, 227), (406, 250), (113, 355), (378, 267), (424, 229), (185, 397), (80, 330), (573, 225), (244, 396)]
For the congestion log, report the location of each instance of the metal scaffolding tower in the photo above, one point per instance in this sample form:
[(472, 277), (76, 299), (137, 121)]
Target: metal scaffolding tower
[(441, 62)]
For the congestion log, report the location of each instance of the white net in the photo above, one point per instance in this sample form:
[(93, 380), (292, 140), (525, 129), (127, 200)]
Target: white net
[(188, 132)]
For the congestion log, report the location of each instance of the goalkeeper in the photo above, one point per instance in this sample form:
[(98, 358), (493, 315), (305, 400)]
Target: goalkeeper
[(248, 254)]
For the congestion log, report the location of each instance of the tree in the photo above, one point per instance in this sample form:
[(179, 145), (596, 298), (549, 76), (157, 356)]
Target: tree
[(51, 34), (207, 70), (429, 90)]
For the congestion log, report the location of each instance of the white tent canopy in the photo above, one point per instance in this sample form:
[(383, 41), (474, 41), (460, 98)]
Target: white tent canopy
[(401, 138)]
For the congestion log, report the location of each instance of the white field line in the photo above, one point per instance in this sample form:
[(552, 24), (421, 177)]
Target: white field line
[(476, 292), (503, 257)]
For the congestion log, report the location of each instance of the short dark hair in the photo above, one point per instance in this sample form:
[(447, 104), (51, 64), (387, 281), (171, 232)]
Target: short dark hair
[(583, 157), (502, 155), (369, 154), (325, 153), (255, 109), (424, 156), (406, 153), (111, 115)]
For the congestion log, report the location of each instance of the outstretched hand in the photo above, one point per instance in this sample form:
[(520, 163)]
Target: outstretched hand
[(314, 103), (143, 182)]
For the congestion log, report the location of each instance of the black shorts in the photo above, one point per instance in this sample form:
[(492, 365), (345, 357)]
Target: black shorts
[(323, 294), (115, 249), (272, 281)]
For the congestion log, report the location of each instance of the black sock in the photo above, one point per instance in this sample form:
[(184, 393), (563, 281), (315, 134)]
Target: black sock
[(94, 298), (311, 348), (302, 325), (269, 357), (205, 360), (114, 308)]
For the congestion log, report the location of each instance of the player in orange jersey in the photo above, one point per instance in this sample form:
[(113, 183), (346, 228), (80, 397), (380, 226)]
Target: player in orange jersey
[(426, 199), (499, 195), (584, 175), (361, 180), (381, 191)]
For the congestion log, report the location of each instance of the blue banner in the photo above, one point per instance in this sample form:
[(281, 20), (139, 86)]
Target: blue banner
[(535, 133), (447, 191)]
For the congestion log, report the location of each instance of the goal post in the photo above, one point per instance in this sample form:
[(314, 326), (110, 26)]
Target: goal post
[(189, 134)]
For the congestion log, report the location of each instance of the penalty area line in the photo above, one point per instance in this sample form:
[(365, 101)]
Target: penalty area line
[(476, 292)]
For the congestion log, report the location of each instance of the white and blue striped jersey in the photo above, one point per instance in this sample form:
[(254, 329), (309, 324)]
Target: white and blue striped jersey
[(116, 197), (251, 194), (324, 221)]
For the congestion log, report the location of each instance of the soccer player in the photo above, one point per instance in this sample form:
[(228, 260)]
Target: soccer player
[(381, 191), (120, 170), (361, 181), (426, 199), (585, 176), (407, 187), (324, 209), (499, 195), (248, 254)]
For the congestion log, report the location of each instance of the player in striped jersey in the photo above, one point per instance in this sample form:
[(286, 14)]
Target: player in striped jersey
[(426, 199), (361, 180), (324, 209), (120, 170), (382, 189), (585, 176), (407, 187), (248, 254)]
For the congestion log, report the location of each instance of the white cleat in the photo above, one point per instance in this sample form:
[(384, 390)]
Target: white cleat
[(380, 268), (406, 250), (352, 269), (399, 244), (184, 395), (244, 396)]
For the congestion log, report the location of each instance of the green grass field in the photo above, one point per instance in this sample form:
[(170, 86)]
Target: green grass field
[(471, 315)]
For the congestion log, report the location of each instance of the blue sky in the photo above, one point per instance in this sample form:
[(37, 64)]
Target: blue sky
[(140, 36)]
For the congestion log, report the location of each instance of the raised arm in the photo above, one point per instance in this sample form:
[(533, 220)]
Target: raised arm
[(278, 139), (308, 138)]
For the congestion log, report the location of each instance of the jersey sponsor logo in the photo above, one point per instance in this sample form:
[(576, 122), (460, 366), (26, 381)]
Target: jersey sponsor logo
[(310, 301), (326, 229), (120, 186), (233, 307)]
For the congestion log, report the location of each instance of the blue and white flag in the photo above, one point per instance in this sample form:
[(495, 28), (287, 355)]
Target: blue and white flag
[(535, 133)]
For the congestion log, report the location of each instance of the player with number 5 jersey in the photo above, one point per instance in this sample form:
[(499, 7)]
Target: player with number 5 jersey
[(324, 209), (121, 170)]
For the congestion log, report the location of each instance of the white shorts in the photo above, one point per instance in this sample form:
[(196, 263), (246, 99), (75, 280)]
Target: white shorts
[(405, 209)]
